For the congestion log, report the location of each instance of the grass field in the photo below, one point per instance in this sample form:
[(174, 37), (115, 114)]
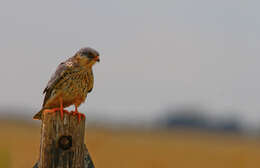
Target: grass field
[(19, 147)]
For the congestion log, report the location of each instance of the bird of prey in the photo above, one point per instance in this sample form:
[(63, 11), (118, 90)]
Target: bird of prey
[(70, 84)]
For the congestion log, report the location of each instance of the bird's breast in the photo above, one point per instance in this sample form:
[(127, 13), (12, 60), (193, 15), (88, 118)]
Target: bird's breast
[(75, 88)]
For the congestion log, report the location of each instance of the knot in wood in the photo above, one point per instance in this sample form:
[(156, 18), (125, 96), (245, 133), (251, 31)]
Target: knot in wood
[(65, 142)]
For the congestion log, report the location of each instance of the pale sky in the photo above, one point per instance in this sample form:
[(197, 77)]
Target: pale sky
[(154, 54)]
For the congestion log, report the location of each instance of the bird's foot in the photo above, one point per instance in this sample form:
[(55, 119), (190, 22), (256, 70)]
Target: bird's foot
[(54, 110), (78, 114)]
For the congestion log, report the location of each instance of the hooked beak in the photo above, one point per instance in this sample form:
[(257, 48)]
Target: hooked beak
[(97, 58)]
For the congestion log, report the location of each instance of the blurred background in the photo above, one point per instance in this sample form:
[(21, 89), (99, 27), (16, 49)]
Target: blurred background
[(177, 86)]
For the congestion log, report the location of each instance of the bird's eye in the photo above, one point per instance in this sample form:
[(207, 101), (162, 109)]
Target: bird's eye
[(90, 55)]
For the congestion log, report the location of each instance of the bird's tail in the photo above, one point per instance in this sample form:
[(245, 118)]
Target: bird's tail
[(38, 116)]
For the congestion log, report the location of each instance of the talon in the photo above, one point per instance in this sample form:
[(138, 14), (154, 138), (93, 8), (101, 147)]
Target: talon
[(66, 111), (78, 114), (79, 118)]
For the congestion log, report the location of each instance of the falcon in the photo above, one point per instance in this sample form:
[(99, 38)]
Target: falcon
[(70, 84)]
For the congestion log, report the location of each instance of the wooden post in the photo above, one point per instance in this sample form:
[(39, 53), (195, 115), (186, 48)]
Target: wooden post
[(62, 143)]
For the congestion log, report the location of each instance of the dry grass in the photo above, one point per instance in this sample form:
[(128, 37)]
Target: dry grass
[(19, 146)]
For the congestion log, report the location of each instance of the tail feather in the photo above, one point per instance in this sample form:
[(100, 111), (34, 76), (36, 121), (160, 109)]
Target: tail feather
[(38, 116)]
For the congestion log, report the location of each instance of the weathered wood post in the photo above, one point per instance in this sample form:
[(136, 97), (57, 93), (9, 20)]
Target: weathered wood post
[(62, 143)]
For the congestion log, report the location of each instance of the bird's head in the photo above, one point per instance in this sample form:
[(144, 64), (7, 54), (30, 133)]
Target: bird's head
[(87, 56)]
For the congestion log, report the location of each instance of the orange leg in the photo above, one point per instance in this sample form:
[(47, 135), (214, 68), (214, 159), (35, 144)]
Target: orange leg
[(76, 112), (61, 109)]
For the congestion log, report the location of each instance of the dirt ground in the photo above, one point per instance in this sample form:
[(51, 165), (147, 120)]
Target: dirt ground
[(19, 148)]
